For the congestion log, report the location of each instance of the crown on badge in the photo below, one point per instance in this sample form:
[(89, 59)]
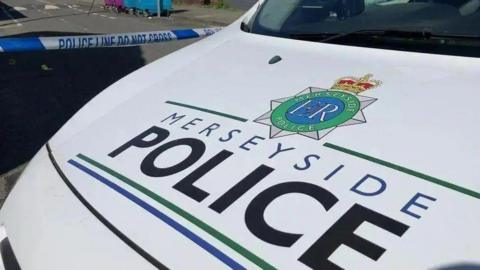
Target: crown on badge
[(356, 85)]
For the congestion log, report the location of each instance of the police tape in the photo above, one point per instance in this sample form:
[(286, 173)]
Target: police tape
[(100, 41)]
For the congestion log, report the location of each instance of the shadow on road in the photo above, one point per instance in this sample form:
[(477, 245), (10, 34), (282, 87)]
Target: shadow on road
[(178, 11), (8, 13), (40, 91)]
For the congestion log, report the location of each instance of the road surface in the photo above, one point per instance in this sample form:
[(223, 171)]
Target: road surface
[(241, 4)]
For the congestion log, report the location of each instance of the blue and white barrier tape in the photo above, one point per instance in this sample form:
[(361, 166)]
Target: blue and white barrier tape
[(100, 41)]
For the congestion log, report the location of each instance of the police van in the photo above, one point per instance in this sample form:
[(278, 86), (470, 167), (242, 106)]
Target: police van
[(309, 134)]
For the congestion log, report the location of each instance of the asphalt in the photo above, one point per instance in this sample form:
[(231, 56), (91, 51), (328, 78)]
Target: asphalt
[(40, 91), (241, 4)]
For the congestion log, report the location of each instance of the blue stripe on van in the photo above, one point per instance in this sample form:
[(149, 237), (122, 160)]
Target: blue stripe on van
[(166, 219)]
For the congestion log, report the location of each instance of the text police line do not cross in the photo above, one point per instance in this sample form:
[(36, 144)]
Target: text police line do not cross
[(316, 256), (100, 41), (126, 39)]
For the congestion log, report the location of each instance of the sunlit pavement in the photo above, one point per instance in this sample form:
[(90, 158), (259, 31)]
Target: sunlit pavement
[(241, 4)]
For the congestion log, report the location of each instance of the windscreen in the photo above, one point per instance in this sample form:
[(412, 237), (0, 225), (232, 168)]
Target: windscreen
[(454, 19)]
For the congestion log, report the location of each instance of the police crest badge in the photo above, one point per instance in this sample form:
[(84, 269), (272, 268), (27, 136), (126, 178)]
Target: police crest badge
[(315, 112)]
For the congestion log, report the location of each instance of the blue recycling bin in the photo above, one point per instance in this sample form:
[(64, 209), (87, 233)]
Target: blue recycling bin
[(150, 7), (166, 7), (130, 5)]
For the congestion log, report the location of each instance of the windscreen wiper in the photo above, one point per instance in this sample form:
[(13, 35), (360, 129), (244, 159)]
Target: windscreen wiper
[(327, 37)]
